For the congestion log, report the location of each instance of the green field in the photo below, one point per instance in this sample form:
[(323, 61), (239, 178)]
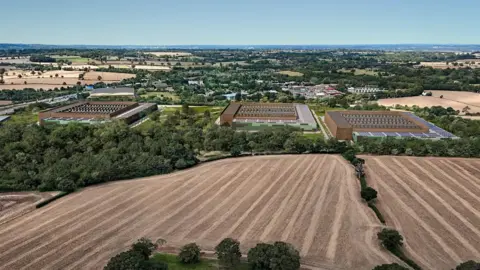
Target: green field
[(71, 58), (26, 117), (162, 94), (291, 73)]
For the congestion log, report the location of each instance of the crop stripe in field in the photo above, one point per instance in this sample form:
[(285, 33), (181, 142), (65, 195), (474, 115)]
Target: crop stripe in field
[(222, 204), (450, 191), (52, 230), (252, 206), (185, 195), (218, 192), (394, 197), (312, 228), (272, 199), (453, 180), (250, 193), (160, 201), (309, 191), (127, 209), (285, 200), (37, 213), (19, 240), (398, 226), (336, 226), (463, 173), (370, 237), (101, 213), (425, 205), (466, 163), (438, 198)]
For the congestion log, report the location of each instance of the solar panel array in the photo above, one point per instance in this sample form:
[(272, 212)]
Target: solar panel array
[(96, 108), (383, 121), (434, 132), (260, 110)]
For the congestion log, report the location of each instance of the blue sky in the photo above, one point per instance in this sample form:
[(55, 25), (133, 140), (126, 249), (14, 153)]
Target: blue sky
[(177, 22)]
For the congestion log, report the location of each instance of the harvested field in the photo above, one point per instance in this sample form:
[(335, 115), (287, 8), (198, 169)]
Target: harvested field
[(456, 100), (169, 53), (14, 204), (433, 203), (70, 78), (311, 201), (291, 73)]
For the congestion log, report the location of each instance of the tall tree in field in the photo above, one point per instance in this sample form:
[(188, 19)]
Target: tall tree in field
[(228, 253)]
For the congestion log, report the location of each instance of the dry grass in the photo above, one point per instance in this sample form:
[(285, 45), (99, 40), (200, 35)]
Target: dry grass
[(291, 73), (433, 202), (310, 201), (169, 53), (70, 78), (14, 204), (455, 99)]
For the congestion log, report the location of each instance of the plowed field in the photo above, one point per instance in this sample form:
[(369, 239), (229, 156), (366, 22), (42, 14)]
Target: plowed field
[(434, 203), (311, 201)]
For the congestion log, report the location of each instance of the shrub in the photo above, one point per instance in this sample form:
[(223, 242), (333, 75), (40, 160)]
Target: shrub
[(51, 199), (392, 266), (145, 247), (228, 253), (368, 194), (469, 265), (280, 255), (190, 254), (391, 239), (377, 212)]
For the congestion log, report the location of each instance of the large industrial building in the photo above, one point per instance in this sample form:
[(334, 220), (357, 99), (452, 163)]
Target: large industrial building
[(92, 112), (255, 116), (352, 125)]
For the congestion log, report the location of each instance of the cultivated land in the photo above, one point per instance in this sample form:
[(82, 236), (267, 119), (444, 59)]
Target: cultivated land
[(455, 99), (310, 201), (291, 73), (14, 204), (433, 202), (169, 53), (70, 78)]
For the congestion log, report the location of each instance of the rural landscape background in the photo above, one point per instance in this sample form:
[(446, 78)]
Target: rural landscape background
[(262, 135)]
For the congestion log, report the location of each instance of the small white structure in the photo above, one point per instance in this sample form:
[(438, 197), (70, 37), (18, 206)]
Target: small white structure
[(364, 90)]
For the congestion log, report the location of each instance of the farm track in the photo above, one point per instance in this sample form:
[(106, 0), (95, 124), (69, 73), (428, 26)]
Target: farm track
[(310, 201), (433, 202)]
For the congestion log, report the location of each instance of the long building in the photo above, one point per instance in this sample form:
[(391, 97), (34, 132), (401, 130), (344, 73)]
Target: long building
[(255, 116), (92, 112), (352, 125)]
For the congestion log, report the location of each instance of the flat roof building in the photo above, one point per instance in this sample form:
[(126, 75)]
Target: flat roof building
[(350, 125), (254, 116), (92, 112), (108, 92)]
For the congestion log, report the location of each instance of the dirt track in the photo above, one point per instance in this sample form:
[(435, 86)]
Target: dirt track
[(311, 201), (434, 203)]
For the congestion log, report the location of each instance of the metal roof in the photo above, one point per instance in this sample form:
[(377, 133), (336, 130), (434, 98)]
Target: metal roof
[(121, 91)]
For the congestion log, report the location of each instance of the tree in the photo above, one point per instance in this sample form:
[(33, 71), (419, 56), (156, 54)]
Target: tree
[(2, 81), (280, 255), (56, 75), (228, 253), (259, 257), (390, 238), (99, 78), (145, 247), (66, 185), (466, 109), (25, 82), (190, 254), (392, 266), (284, 256), (368, 194), (468, 265), (128, 260), (19, 76)]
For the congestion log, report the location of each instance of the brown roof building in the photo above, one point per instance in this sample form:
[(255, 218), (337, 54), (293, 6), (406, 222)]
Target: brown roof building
[(342, 124), (258, 115), (96, 112)]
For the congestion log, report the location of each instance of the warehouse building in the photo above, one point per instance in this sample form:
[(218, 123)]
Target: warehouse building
[(93, 112), (255, 116), (353, 125)]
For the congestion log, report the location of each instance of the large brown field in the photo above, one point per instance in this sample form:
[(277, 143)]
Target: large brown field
[(311, 201), (434, 203), (70, 78), (455, 99)]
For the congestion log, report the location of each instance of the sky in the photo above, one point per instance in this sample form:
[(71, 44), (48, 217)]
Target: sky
[(240, 22)]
